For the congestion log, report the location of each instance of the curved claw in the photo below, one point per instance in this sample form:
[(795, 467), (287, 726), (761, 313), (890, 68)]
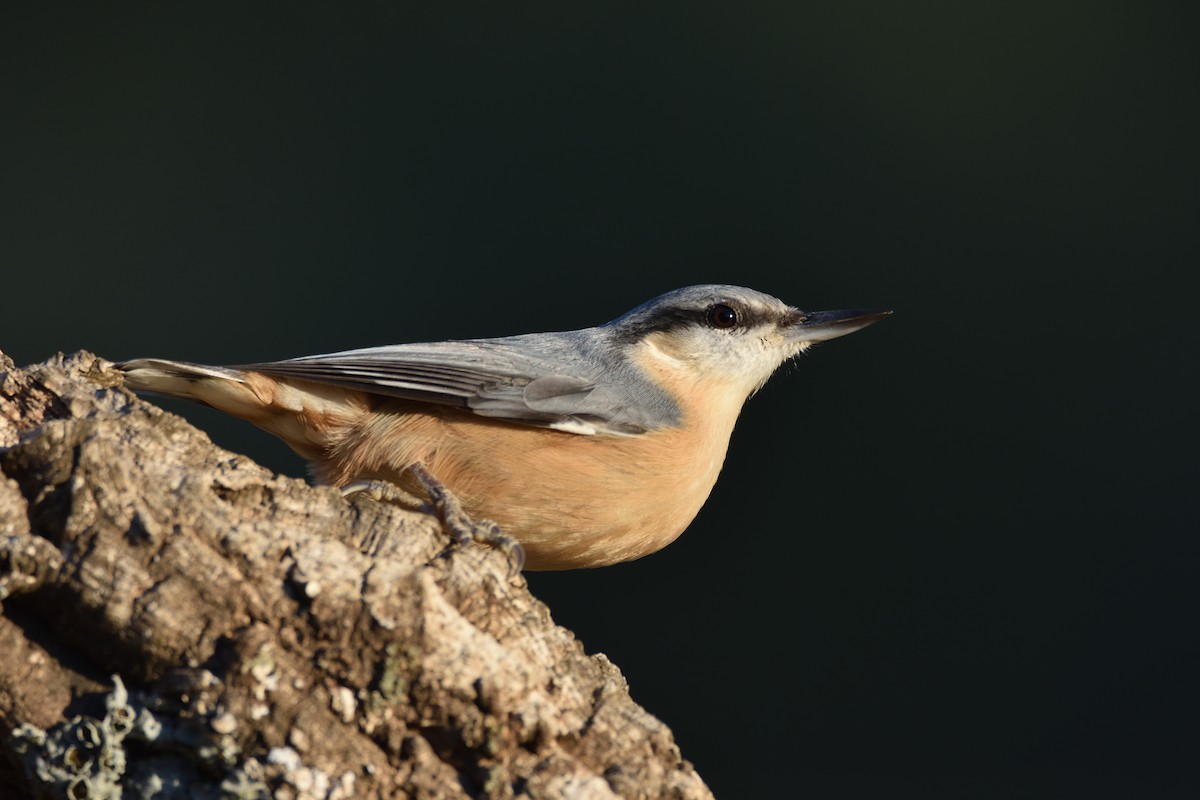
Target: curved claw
[(383, 492)]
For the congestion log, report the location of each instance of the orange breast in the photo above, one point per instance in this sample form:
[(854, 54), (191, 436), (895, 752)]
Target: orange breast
[(570, 500)]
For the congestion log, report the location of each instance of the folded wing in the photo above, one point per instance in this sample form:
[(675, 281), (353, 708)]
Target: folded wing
[(549, 385)]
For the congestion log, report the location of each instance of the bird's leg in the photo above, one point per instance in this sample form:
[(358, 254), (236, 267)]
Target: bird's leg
[(464, 529), (448, 509)]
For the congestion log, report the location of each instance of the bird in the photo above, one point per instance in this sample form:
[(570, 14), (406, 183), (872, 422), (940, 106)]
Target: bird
[(584, 447)]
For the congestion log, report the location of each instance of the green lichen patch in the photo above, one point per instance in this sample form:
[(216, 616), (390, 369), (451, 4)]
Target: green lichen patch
[(85, 757)]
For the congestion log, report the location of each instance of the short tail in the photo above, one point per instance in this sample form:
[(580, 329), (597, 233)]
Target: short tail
[(234, 391), (174, 378), (304, 415)]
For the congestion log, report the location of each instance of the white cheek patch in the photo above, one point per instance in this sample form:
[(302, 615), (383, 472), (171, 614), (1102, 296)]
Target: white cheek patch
[(751, 361), (743, 362)]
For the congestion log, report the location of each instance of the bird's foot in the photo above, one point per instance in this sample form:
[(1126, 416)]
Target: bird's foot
[(383, 492), (462, 527), (449, 511)]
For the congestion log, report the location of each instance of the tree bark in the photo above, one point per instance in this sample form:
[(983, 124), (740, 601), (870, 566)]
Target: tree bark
[(180, 622)]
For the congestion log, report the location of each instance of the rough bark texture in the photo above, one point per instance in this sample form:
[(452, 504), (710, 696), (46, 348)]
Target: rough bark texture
[(178, 621)]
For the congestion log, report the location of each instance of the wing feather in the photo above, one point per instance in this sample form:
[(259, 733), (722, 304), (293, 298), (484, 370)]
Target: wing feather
[(546, 382)]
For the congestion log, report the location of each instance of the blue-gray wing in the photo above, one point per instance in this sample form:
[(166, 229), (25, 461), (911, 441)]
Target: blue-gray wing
[(546, 380)]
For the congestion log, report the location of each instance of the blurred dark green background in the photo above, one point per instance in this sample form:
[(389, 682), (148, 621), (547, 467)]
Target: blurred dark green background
[(954, 555)]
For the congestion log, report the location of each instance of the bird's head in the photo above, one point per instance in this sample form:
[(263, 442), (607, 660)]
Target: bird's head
[(729, 334)]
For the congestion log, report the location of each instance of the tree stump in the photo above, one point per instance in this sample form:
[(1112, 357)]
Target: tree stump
[(180, 622)]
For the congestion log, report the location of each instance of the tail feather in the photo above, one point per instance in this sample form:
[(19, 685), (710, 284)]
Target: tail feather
[(173, 378), (305, 415)]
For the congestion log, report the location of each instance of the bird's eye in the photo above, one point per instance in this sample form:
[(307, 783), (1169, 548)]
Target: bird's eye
[(721, 316)]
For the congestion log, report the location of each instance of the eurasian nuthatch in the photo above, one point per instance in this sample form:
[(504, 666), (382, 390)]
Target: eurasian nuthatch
[(588, 447)]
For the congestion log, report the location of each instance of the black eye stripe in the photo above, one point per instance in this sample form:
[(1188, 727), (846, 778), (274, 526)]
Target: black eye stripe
[(714, 314)]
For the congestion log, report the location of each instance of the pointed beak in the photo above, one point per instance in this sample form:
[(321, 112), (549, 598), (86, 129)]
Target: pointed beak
[(819, 326)]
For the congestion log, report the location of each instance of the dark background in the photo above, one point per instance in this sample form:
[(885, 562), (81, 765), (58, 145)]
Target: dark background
[(955, 554)]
